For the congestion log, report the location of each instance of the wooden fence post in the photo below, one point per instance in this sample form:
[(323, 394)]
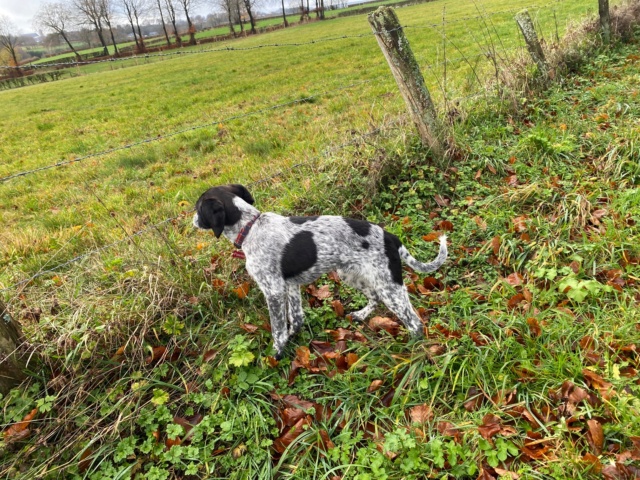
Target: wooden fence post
[(405, 69), (605, 20), (12, 363), (533, 44)]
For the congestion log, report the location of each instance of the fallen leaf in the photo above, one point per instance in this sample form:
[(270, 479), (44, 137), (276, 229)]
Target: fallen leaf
[(515, 279), (247, 327), (442, 201), (491, 426), (495, 245), (595, 436), (534, 327), (290, 416), (474, 399), (448, 429), (375, 385), (352, 358), (480, 222), (325, 442), (515, 301), (384, 323), (281, 443), (520, 224), (209, 355), (338, 308), (387, 400), (421, 413), (242, 290), (431, 283), (20, 430), (156, 354), (445, 225), (431, 237), (594, 461)]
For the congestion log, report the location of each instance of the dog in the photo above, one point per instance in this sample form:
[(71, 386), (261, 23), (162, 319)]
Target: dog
[(283, 253)]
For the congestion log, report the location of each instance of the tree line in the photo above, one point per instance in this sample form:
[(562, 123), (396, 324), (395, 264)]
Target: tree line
[(105, 17)]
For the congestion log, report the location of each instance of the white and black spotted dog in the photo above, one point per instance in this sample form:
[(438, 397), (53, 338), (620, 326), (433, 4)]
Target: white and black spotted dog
[(283, 253)]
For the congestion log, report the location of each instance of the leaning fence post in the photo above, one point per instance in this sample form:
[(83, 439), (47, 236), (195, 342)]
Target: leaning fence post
[(12, 363), (405, 69), (605, 20), (533, 44)]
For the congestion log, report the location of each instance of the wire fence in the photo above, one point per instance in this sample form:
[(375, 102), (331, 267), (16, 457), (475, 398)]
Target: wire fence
[(159, 137), (75, 63), (130, 237), (155, 226)]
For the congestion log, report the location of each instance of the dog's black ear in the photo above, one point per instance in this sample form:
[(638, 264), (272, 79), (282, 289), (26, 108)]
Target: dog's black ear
[(242, 192), (212, 215)]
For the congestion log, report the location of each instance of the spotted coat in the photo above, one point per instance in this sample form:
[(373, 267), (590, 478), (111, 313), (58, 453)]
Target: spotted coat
[(283, 253)]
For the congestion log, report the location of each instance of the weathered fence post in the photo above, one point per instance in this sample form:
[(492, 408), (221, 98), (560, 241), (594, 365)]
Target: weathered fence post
[(533, 44), (605, 20), (12, 363), (405, 69)]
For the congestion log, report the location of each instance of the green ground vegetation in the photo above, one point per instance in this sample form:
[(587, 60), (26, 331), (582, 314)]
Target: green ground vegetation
[(154, 360)]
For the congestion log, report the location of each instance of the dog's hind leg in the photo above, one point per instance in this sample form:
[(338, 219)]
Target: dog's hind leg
[(357, 281), (277, 303), (294, 309), (396, 298)]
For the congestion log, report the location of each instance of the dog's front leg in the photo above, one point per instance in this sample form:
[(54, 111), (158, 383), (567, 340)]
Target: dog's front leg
[(277, 303), (295, 312)]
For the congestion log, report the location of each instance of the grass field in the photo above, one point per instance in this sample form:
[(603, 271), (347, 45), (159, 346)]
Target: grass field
[(154, 361), (212, 32)]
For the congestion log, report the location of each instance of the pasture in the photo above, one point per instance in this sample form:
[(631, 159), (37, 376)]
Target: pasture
[(152, 356)]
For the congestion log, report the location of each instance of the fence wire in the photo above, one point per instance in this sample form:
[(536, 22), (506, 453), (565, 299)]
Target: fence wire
[(325, 153), (71, 64), (103, 153)]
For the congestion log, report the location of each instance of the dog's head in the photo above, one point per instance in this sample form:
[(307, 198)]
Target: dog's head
[(215, 207)]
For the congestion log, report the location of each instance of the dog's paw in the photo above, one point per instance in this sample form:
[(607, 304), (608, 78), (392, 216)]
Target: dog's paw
[(354, 317), (279, 356)]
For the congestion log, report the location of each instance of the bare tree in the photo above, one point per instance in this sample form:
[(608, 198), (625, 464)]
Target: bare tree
[(171, 12), (228, 7), (90, 14), (9, 41), (107, 13), (284, 15), (239, 5), (188, 5), (249, 6), (164, 26), (134, 9), (56, 17)]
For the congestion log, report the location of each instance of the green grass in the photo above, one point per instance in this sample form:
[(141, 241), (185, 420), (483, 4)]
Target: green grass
[(567, 224)]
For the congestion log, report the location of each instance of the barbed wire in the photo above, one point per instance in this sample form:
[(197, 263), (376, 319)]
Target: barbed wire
[(171, 219), (268, 45), (179, 132), (485, 15), (192, 52)]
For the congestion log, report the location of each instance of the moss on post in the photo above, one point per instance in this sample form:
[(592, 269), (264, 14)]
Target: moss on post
[(533, 44), (12, 363), (405, 69)]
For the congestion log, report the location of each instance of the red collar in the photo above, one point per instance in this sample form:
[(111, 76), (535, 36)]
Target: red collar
[(244, 232)]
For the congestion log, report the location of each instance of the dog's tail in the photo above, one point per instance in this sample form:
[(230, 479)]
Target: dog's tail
[(425, 267)]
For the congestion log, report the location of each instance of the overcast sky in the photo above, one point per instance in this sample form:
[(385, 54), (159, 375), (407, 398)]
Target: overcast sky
[(20, 12)]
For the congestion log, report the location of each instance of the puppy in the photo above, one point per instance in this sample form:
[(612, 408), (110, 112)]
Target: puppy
[(283, 253)]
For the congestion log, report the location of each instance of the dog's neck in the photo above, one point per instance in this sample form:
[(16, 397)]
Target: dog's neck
[(248, 212)]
